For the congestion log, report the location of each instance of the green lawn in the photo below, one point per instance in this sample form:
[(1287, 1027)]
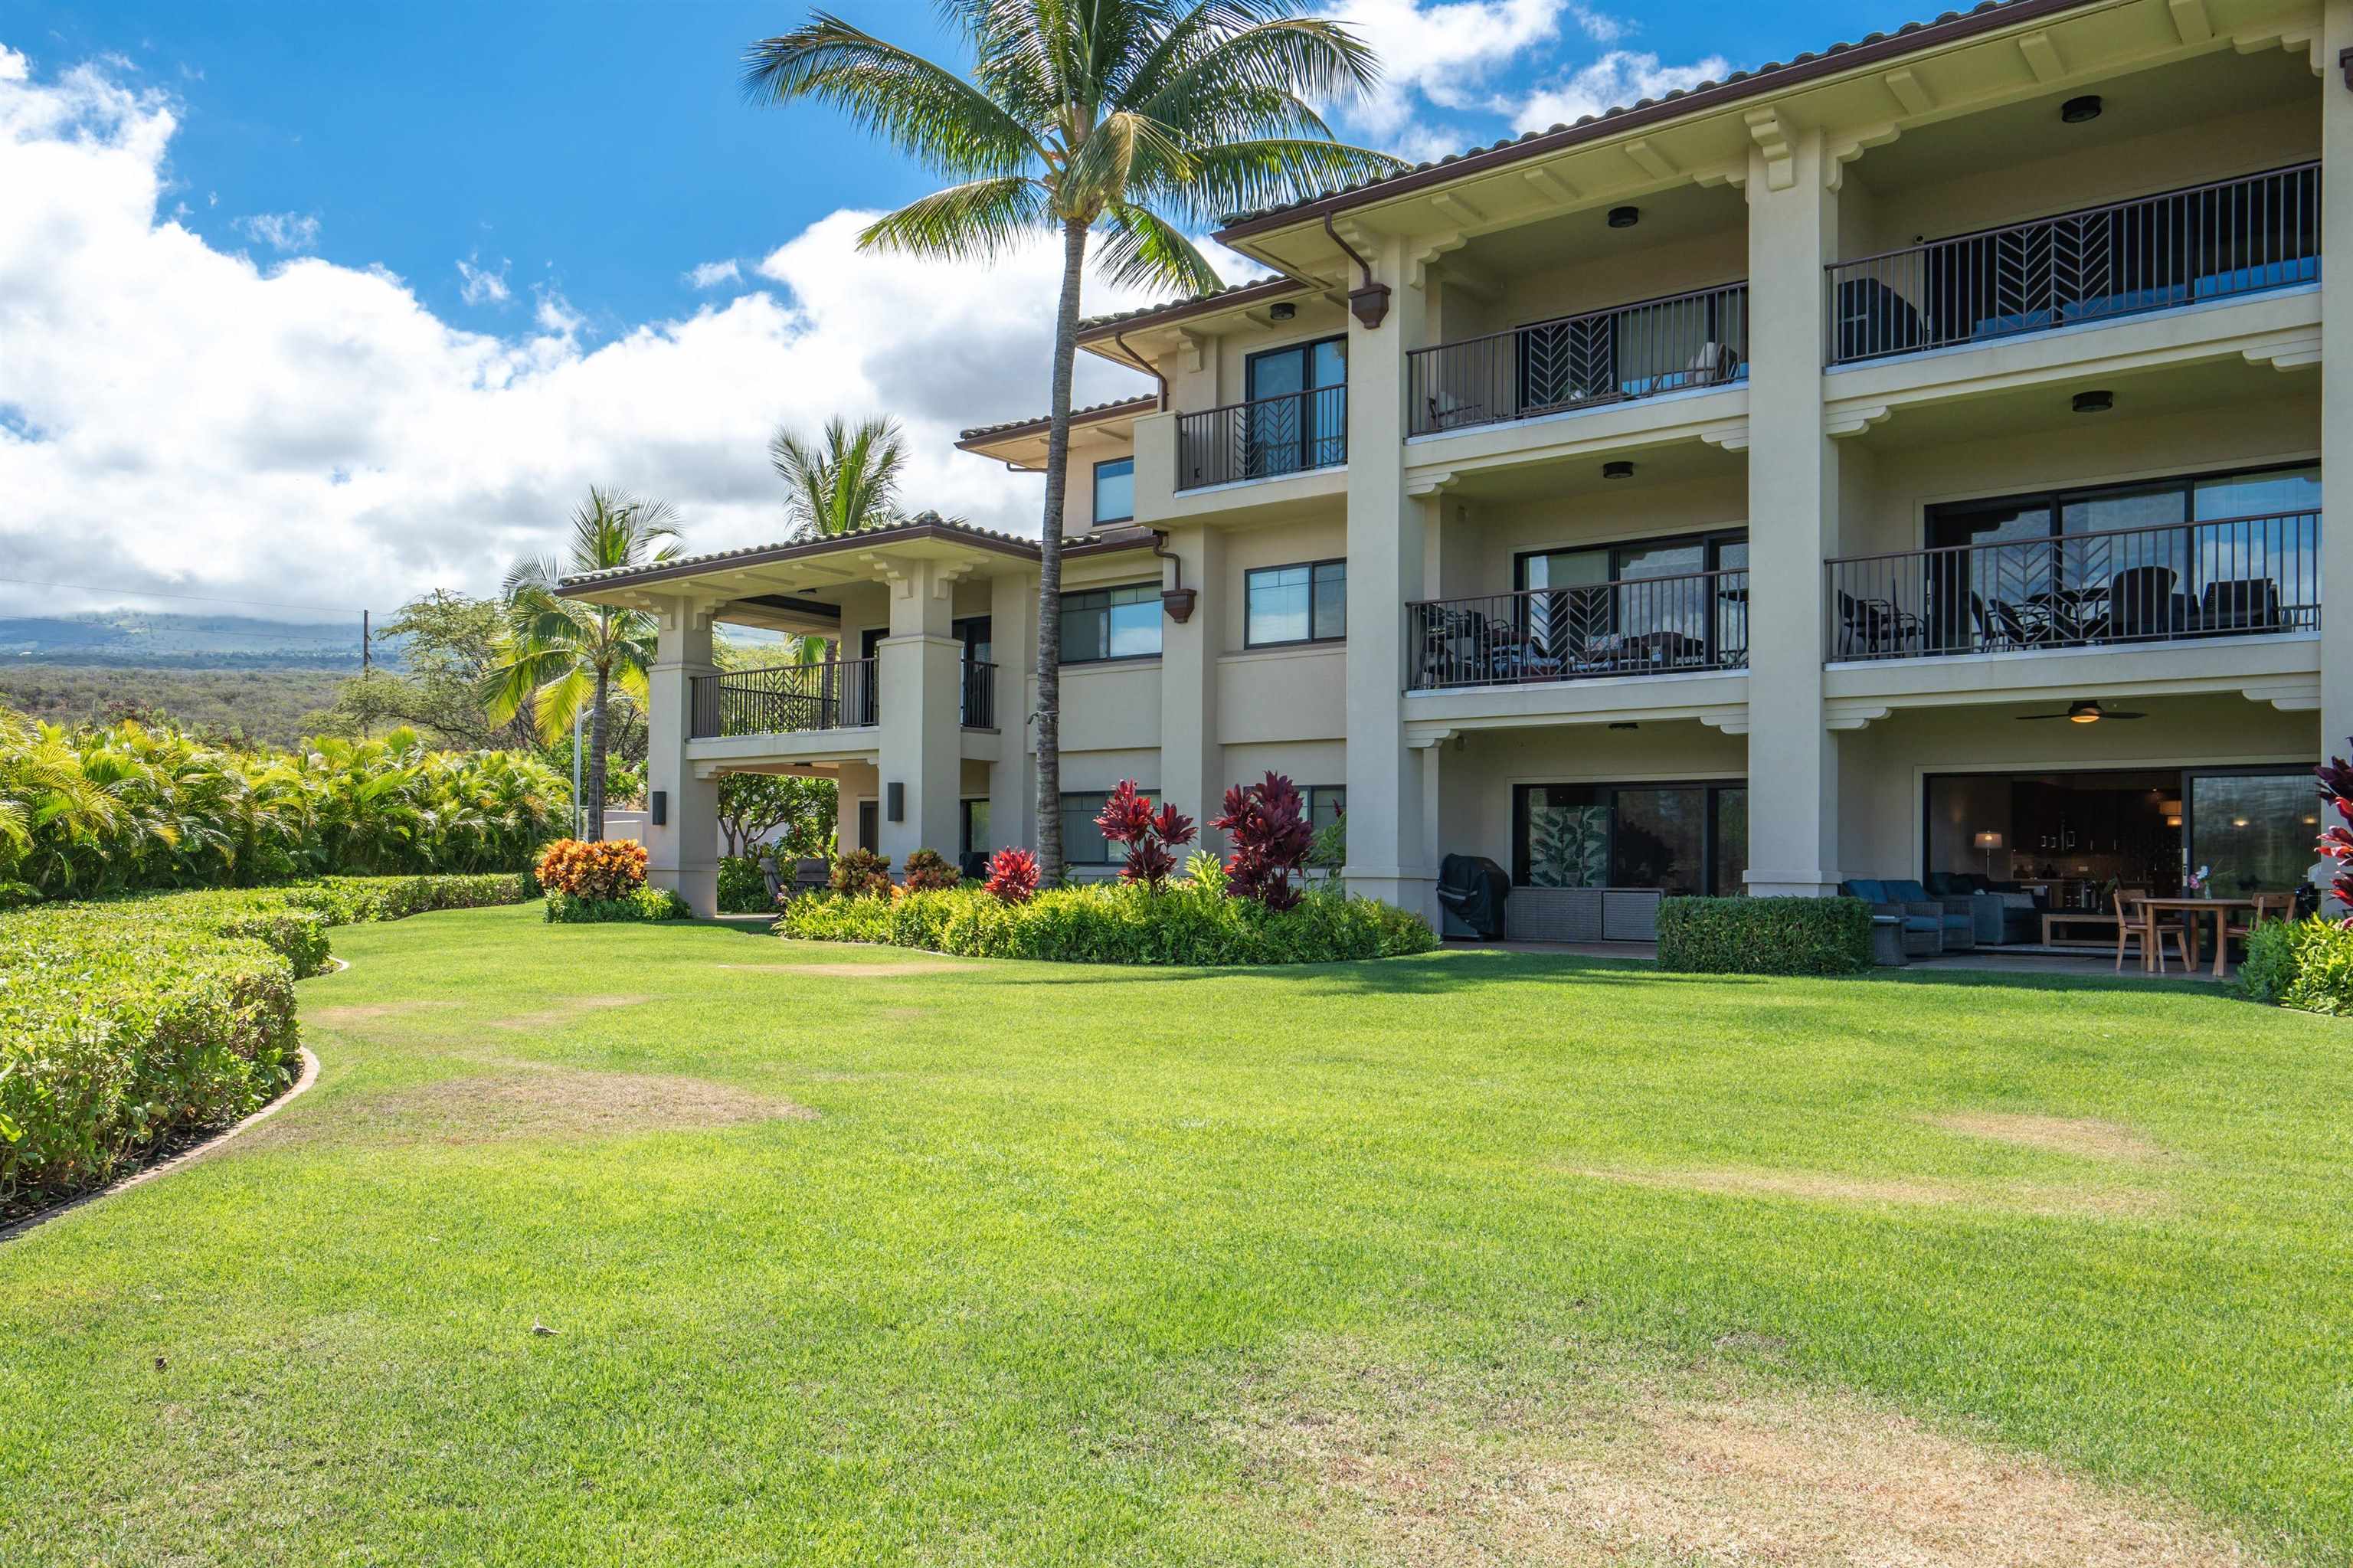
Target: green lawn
[(1462, 1258)]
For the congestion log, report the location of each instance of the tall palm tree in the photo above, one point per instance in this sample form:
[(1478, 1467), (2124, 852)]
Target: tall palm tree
[(563, 656), (850, 481), (1141, 117)]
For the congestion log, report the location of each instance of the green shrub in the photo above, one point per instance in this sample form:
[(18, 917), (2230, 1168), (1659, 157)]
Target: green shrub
[(1764, 935), (2304, 964), (741, 889), (643, 904), (928, 870), (1114, 923), (124, 1020)]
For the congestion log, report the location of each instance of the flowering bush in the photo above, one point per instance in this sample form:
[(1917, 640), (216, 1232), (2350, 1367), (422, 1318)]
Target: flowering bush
[(1013, 876), (2337, 842), (928, 870), (1271, 837), (612, 869), (1127, 819), (861, 871)]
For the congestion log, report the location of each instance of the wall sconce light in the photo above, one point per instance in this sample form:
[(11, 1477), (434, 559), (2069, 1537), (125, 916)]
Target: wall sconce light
[(894, 801), (2094, 402), (657, 808), (2081, 111), (1625, 216), (1618, 469)]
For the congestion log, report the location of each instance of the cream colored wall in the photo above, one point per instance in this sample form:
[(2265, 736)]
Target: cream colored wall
[(1475, 783), (1247, 550), (1098, 768), (1882, 767), (2011, 190), (1220, 378), (1283, 694), (1885, 501), (1477, 550), (1112, 706), (1616, 276), (855, 781)]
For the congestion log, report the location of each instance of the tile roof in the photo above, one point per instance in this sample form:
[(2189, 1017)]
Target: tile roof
[(684, 565), (1116, 405), (1095, 324), (1766, 78)]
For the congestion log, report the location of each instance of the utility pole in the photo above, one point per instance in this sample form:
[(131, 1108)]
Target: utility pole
[(366, 696)]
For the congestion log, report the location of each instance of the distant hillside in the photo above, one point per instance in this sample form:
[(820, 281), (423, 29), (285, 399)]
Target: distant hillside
[(124, 637), (272, 705)]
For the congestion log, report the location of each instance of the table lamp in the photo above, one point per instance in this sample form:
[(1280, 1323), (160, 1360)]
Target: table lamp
[(1988, 843)]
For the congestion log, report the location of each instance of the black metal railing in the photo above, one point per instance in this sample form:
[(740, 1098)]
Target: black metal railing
[(1263, 440), (1636, 626), (2208, 242), (784, 699), (1626, 352), (2234, 577), (978, 708)]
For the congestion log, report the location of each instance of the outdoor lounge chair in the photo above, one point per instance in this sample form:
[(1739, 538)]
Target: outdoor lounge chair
[(1923, 918)]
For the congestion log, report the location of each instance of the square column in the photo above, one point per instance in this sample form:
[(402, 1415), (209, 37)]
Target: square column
[(682, 850), (2336, 402), (1192, 762), (1793, 504), (919, 698), (1013, 779), (1388, 855)]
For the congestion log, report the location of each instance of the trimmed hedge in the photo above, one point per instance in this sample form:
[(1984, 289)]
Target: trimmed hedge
[(2304, 964), (125, 1020), (1113, 923), (643, 904), (1764, 935)]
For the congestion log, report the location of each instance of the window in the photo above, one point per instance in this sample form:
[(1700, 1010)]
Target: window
[(1306, 603), (1082, 841), (1677, 838), (869, 829), (1651, 595), (1111, 623), (1115, 490), (1325, 804), (2254, 830), (976, 827), (1298, 417)]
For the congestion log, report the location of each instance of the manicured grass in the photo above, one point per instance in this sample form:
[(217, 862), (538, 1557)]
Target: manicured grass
[(1019, 1290)]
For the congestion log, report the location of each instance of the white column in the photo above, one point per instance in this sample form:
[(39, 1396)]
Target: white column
[(2335, 400), (919, 674), (1793, 504), (682, 849), (1387, 856), (1013, 781), (1192, 762)]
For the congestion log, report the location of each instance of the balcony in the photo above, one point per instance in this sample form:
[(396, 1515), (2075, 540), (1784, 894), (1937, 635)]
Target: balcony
[(1617, 355), (978, 709), (1295, 433), (784, 699), (1636, 626), (2238, 577), (2221, 241)]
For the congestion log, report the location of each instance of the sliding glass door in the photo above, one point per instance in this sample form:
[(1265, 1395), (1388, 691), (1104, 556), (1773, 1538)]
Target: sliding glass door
[(1674, 838), (2253, 829)]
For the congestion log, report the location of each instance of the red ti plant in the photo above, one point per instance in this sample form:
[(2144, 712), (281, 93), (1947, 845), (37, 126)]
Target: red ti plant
[(2337, 842), (1127, 818), (1013, 876), (1268, 824)]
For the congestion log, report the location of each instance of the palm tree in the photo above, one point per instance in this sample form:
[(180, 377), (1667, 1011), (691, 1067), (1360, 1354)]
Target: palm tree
[(564, 656), (1140, 116), (851, 483)]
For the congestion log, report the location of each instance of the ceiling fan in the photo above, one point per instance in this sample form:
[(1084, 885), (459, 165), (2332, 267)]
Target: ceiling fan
[(2084, 712)]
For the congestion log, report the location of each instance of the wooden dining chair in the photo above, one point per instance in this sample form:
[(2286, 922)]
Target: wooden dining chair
[(2268, 907), (2152, 935)]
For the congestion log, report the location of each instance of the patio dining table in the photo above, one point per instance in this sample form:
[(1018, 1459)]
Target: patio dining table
[(2219, 908)]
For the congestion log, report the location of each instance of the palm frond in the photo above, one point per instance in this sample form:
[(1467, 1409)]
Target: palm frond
[(926, 111), (1242, 176), (1145, 250), (981, 221)]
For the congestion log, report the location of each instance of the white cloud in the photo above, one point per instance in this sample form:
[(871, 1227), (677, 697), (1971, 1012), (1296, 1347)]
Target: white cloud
[(282, 231), (1621, 77), (480, 285), (1442, 51), (711, 274), (176, 417)]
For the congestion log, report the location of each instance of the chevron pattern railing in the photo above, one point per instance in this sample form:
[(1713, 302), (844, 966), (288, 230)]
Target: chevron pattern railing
[(1263, 440), (784, 699), (1638, 626), (2208, 242)]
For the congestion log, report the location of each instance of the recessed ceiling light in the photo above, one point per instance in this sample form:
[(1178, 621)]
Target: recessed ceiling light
[(1282, 313), (1625, 216), (1618, 470), (2094, 402), (2081, 111)]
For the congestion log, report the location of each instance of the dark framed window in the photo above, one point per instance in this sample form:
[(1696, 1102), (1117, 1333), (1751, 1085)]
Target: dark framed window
[(1326, 804), (1298, 415), (1675, 837), (1582, 599), (976, 835), (1111, 623), (1303, 603), (1082, 841), (1115, 490)]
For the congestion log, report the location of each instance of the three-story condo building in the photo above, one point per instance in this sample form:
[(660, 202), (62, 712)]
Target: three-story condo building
[(1913, 458)]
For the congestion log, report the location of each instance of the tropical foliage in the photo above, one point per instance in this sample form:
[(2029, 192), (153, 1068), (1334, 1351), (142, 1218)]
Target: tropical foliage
[(1152, 840), (1267, 824), (846, 481), (793, 815), (593, 871), (565, 656), (126, 809), (1145, 119)]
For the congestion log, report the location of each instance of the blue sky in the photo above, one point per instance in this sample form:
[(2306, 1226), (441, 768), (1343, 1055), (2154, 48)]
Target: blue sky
[(318, 254)]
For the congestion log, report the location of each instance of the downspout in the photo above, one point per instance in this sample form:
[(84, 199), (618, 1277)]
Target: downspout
[(1179, 601), (1137, 360), (1368, 302)]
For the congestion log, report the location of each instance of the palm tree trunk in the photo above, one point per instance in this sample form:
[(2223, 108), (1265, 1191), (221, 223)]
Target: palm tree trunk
[(1050, 561), (596, 742)]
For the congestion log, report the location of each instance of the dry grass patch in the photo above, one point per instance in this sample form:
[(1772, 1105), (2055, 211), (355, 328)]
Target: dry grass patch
[(569, 1010), (1378, 1465), (529, 1100), (2086, 1136), (1884, 1191), (367, 1012)]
